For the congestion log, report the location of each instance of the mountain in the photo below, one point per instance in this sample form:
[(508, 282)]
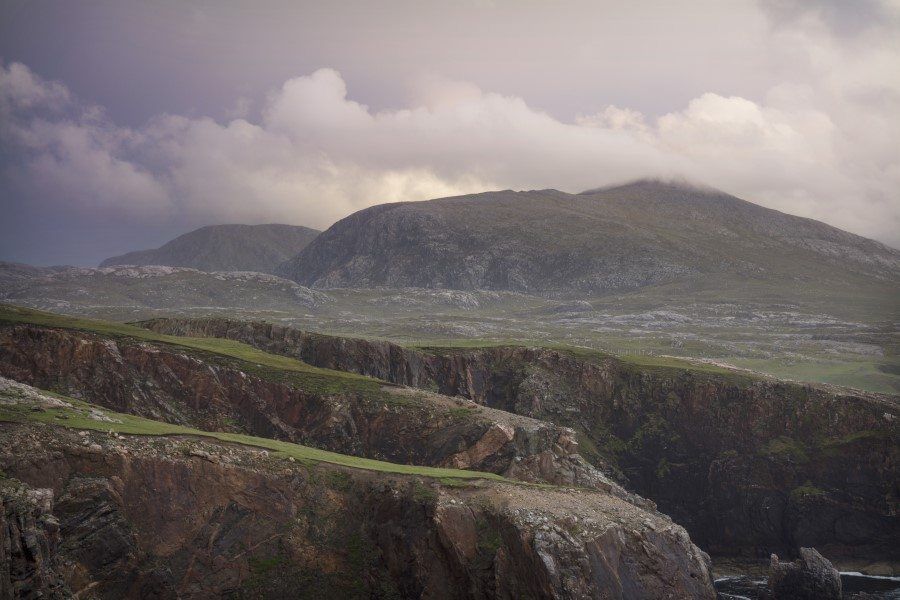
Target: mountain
[(225, 248), (125, 291), (12, 273), (618, 238)]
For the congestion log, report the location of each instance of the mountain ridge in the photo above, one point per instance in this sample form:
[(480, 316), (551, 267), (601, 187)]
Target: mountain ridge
[(624, 237), (229, 247)]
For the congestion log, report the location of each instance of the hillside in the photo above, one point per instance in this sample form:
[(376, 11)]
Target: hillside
[(125, 291), (725, 453), (302, 481), (620, 238), (225, 248), (12, 273), (244, 517)]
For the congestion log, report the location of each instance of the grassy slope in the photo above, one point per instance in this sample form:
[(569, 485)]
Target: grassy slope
[(78, 417), (590, 354), (244, 352), (314, 377)]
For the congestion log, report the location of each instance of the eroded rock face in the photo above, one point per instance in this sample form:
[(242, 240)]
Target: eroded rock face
[(748, 465), (29, 536), (142, 517), (810, 577), (211, 392)]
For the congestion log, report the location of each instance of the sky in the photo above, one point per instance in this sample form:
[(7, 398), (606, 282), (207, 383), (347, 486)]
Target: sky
[(124, 123)]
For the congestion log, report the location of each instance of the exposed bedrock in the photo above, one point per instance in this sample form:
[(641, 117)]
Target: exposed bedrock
[(29, 537), (810, 577), (749, 465), (139, 517), (376, 420)]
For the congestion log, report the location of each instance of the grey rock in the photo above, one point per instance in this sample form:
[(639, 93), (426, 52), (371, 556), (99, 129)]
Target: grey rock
[(810, 577)]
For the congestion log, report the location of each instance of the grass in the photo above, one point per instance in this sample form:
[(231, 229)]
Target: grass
[(755, 346), (799, 493), (866, 373), (262, 566), (461, 412), (590, 354), (869, 435), (786, 447), (313, 378), (78, 417)]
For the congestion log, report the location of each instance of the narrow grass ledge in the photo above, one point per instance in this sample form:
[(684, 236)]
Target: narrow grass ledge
[(20, 404)]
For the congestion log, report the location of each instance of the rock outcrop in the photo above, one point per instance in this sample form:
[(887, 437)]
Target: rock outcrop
[(351, 416), (810, 577), (155, 517), (29, 537), (749, 465)]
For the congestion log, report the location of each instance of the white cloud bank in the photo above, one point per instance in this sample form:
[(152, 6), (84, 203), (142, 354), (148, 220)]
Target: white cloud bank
[(826, 148)]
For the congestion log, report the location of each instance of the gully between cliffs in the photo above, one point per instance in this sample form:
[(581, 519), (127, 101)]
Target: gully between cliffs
[(748, 465)]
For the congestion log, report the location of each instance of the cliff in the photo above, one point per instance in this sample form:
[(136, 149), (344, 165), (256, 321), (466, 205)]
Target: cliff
[(121, 515), (748, 465)]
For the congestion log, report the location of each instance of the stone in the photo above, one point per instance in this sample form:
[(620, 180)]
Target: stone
[(810, 577)]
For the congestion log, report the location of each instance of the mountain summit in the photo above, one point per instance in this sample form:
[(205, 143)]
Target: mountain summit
[(225, 248), (624, 237)]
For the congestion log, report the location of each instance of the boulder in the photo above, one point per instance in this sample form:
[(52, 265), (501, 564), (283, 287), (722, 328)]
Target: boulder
[(810, 577)]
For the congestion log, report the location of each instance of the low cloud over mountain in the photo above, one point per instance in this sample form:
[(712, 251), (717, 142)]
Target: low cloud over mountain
[(820, 144)]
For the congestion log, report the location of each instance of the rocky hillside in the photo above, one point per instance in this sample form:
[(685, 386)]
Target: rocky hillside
[(136, 290), (625, 237), (15, 273), (234, 520), (238, 510), (225, 248), (749, 465)]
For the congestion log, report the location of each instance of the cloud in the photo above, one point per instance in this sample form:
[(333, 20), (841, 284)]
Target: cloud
[(22, 89), (823, 146), (841, 17), (66, 154)]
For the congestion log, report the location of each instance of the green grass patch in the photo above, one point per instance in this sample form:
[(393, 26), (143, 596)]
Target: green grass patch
[(78, 417), (858, 436), (263, 566), (807, 492), (461, 412), (445, 481), (874, 374), (645, 361), (423, 493), (253, 360), (338, 480), (786, 447), (489, 539)]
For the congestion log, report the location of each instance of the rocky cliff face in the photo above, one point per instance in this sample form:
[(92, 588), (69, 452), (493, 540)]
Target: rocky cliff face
[(358, 417), (165, 517), (748, 465), (29, 537)]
